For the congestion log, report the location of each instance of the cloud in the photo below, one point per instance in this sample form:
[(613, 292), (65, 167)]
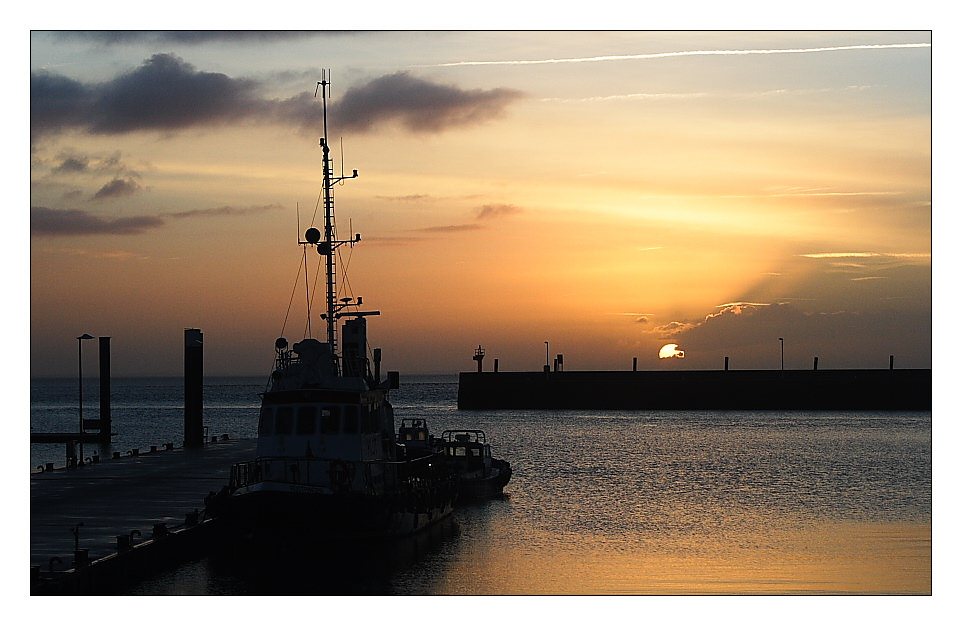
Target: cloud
[(452, 228), (672, 328), (53, 222), (841, 338), (117, 188), (167, 94), (47, 222), (417, 104), (688, 53), (111, 37), (226, 211), (72, 165), (489, 211), (164, 94)]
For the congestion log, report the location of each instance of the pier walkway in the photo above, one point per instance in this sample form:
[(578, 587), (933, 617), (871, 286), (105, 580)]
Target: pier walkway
[(117, 496)]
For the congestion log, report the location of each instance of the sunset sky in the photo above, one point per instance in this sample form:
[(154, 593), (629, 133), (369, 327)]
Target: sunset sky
[(607, 192)]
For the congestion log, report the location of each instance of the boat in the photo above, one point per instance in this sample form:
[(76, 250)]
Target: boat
[(327, 462), (468, 454)]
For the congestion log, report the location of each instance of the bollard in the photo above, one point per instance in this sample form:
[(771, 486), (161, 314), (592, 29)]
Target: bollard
[(192, 518), (160, 530), (49, 467), (123, 543), (81, 557), (153, 448), (116, 455)]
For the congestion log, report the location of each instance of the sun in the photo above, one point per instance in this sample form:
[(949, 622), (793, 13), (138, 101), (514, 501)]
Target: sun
[(670, 350)]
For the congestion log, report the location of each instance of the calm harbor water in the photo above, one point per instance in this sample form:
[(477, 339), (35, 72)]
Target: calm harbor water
[(601, 502)]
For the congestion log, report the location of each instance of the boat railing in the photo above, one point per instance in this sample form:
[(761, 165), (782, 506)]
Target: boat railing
[(368, 476), (469, 436)]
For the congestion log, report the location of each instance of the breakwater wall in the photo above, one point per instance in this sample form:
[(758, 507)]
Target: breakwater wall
[(863, 389)]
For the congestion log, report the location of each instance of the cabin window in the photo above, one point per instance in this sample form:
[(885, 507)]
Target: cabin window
[(475, 452), (306, 420), (266, 421), (460, 452), (369, 422), (330, 420), (350, 420), (285, 421)]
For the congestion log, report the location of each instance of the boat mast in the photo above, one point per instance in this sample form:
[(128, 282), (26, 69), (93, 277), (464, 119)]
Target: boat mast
[(328, 223), (330, 243)]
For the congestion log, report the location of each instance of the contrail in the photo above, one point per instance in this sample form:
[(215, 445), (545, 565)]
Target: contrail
[(688, 53)]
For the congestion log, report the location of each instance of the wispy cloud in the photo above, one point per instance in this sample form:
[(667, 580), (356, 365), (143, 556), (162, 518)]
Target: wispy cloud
[(223, 211), (863, 255), (687, 53)]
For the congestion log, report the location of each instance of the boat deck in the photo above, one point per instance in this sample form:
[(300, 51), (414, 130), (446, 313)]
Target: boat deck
[(117, 496)]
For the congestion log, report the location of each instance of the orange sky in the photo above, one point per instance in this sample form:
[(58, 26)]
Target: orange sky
[(607, 192)]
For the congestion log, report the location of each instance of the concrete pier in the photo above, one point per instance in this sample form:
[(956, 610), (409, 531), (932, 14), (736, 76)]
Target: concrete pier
[(888, 389), (120, 496)]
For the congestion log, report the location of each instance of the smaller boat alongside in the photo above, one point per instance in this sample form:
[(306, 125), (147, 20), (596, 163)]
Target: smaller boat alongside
[(467, 454)]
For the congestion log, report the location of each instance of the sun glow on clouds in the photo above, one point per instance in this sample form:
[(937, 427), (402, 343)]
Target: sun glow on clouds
[(670, 350)]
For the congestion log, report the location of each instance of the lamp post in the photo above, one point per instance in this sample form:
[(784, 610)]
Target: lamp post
[(547, 359), (782, 341), (80, 376)]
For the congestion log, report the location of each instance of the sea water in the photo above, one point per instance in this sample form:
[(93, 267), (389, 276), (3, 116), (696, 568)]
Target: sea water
[(600, 502)]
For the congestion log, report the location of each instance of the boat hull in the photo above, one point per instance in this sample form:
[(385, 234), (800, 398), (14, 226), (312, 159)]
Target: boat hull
[(491, 485), (272, 511)]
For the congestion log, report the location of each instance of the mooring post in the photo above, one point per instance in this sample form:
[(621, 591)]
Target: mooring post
[(726, 363), (634, 364), (193, 388), (891, 361), (105, 427), (816, 364)]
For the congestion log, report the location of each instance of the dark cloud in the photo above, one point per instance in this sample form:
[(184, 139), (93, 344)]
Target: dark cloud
[(164, 94), (112, 37), (497, 210), (117, 188), (53, 222), (56, 103), (167, 94), (417, 104), (841, 339), (72, 165)]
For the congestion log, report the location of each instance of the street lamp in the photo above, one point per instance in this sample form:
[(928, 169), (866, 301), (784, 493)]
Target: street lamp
[(80, 375), (782, 340)]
